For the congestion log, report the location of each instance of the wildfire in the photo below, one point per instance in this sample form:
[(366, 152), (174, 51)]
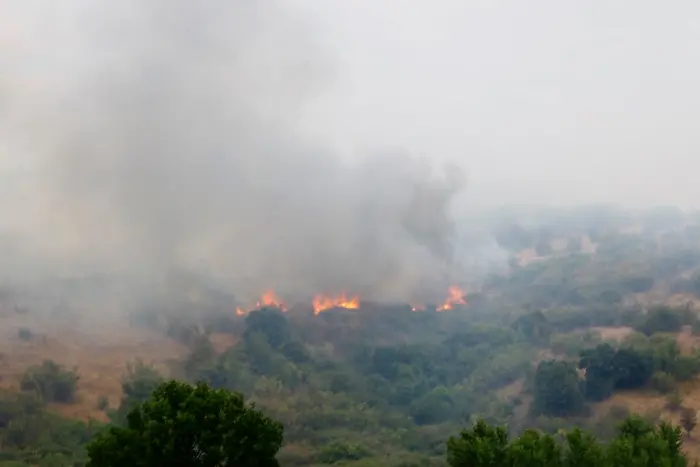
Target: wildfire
[(322, 303), (455, 297), (270, 299)]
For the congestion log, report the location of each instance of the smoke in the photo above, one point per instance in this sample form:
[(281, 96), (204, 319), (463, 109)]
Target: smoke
[(160, 136)]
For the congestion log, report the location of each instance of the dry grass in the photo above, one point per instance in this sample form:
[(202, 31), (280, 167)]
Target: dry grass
[(222, 342), (650, 403), (617, 333), (99, 350)]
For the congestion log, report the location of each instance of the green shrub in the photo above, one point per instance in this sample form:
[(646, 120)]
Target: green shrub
[(102, 403), (663, 382), (25, 334), (341, 451), (52, 381)]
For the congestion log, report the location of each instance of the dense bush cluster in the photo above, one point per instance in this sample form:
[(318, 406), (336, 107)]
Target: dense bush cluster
[(637, 443), (51, 381), (30, 435), (561, 387)]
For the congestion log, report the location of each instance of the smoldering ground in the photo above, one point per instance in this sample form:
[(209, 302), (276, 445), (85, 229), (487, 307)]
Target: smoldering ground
[(160, 136)]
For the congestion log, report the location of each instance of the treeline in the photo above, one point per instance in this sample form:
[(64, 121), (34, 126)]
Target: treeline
[(638, 443), (196, 425)]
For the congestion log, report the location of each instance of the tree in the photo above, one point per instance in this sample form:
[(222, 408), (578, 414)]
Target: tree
[(482, 446), (534, 326), (661, 319), (269, 322), (637, 444), (186, 425), (556, 390), (608, 368), (52, 381)]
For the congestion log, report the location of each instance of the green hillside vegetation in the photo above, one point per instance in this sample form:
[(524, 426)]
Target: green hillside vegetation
[(386, 386)]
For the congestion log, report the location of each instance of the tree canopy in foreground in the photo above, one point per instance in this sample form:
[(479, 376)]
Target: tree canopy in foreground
[(186, 425), (637, 444)]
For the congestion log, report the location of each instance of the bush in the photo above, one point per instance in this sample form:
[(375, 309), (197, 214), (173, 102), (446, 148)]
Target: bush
[(663, 382), (686, 367), (52, 381), (557, 390), (102, 403), (182, 424), (674, 401), (341, 451), (663, 319), (25, 334), (572, 344), (137, 385)]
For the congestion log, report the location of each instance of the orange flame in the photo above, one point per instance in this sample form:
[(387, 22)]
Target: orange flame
[(270, 299), (240, 311), (455, 297), (418, 308), (322, 303)]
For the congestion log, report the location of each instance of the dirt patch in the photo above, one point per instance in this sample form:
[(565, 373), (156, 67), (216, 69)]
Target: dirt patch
[(653, 404), (222, 342), (617, 333), (512, 390), (687, 342)]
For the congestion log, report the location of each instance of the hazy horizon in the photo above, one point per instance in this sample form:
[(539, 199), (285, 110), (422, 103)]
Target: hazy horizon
[(541, 102), (268, 143)]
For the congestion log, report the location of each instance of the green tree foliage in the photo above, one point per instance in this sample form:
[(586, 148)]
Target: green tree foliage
[(482, 446), (52, 381), (29, 435), (534, 326), (557, 389), (608, 368), (186, 425), (137, 386), (637, 444), (270, 323), (663, 319)]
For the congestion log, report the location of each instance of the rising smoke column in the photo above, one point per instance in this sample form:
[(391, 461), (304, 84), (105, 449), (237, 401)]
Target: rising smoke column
[(161, 136)]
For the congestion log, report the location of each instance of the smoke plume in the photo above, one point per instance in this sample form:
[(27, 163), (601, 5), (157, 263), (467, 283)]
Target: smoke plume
[(161, 135)]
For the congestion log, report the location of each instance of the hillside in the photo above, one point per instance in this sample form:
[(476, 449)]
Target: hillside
[(370, 383)]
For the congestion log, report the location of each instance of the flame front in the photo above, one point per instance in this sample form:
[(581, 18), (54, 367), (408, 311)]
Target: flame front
[(270, 299), (322, 303), (241, 312), (455, 297)]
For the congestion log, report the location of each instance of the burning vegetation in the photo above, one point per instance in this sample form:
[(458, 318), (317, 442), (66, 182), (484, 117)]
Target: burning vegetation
[(321, 302), (455, 297)]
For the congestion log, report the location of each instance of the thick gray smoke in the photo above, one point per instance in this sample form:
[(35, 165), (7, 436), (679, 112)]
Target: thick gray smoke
[(160, 136)]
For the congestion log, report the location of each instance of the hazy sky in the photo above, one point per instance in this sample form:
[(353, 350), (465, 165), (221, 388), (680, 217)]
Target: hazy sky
[(550, 101)]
